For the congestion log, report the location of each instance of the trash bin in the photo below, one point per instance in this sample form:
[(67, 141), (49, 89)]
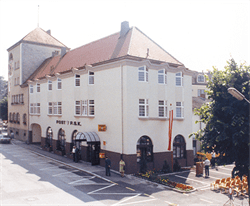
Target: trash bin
[(199, 168)]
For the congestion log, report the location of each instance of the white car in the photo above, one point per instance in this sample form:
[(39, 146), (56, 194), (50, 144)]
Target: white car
[(4, 138)]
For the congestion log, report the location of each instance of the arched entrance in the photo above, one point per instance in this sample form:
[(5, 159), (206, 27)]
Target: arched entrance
[(36, 133), (76, 143), (144, 152), (93, 146), (61, 141), (49, 138), (179, 147)]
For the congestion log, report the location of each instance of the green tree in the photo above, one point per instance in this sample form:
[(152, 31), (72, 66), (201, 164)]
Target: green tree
[(4, 109), (226, 118)]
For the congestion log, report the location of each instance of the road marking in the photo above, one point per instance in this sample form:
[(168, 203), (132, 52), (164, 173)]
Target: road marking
[(130, 189), (170, 203), (118, 203), (101, 189), (206, 201), (137, 202), (219, 172), (203, 187), (48, 168), (191, 179), (64, 173), (92, 177)]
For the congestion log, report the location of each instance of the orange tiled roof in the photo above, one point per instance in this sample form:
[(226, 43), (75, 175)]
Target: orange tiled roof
[(134, 43)]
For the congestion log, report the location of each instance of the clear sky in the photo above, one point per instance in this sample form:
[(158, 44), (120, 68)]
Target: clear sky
[(200, 34)]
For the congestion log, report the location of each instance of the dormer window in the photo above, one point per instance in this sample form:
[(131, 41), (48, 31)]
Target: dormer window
[(59, 83), (201, 78)]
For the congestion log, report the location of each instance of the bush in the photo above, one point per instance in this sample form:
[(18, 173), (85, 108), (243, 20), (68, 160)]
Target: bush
[(166, 168), (176, 166)]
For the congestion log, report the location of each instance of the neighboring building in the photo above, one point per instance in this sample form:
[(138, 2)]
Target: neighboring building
[(199, 97), (24, 58), (113, 96)]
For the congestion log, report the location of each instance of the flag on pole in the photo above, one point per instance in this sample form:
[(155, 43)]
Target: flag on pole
[(170, 128)]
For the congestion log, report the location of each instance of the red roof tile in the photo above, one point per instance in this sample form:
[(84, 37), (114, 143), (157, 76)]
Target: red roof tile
[(134, 43)]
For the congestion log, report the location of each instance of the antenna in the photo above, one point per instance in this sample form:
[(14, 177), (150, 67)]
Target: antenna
[(38, 17)]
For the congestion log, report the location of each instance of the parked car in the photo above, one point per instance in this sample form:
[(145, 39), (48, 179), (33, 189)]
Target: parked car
[(4, 138)]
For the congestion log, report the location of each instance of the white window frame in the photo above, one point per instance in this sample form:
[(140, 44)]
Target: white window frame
[(143, 108), (31, 108), (77, 80), (91, 78), (77, 108), (91, 107), (199, 78), (35, 108), (162, 109), (50, 108), (38, 88), (49, 85), (162, 76), (59, 108), (84, 107), (200, 91), (178, 78), (143, 74), (59, 84), (179, 110), (31, 89)]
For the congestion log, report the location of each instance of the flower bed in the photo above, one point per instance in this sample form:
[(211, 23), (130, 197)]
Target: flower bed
[(152, 176)]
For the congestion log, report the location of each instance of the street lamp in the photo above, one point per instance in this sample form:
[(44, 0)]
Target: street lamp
[(240, 97), (235, 93)]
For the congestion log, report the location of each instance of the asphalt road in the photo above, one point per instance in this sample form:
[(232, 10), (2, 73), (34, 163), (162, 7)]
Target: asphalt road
[(31, 176)]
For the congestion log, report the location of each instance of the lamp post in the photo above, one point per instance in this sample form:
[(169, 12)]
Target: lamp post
[(235, 93)]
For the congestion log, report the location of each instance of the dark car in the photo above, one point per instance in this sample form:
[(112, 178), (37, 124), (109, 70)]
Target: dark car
[(4, 138)]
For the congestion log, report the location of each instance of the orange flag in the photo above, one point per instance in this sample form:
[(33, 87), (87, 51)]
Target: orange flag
[(170, 128)]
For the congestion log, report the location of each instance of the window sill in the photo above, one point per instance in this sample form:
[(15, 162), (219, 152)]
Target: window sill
[(179, 118), (54, 115), (78, 116), (153, 118), (35, 114)]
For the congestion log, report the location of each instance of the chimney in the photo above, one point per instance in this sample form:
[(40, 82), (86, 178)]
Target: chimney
[(48, 32), (124, 28), (63, 51)]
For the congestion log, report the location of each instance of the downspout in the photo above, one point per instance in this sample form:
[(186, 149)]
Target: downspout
[(122, 109)]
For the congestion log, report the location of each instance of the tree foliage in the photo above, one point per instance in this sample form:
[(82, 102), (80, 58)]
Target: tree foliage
[(225, 117), (4, 109)]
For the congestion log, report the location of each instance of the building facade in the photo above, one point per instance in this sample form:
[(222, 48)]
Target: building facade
[(113, 97)]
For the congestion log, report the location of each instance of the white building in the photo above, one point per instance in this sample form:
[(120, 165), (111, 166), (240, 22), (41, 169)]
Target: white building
[(113, 96)]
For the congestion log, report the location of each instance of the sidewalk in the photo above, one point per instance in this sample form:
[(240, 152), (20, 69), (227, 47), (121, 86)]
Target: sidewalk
[(96, 170)]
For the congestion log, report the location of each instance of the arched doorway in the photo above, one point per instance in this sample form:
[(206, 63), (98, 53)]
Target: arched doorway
[(144, 150), (61, 141), (36, 133), (179, 147), (76, 143), (49, 139)]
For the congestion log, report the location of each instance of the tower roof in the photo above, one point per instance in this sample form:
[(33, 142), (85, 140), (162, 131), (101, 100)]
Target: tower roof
[(39, 36)]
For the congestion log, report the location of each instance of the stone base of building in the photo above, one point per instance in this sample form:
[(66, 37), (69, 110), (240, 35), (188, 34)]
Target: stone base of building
[(132, 166), (19, 134)]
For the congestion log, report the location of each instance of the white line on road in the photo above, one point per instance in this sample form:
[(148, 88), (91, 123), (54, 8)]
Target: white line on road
[(101, 189), (64, 173), (48, 168), (137, 202), (92, 177), (206, 201), (118, 203), (191, 179)]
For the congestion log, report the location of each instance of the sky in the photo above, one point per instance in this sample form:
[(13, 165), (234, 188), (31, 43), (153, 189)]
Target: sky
[(199, 33)]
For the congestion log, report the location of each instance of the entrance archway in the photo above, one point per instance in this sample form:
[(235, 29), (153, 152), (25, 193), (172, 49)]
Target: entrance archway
[(144, 150), (61, 141), (36, 133), (49, 138)]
